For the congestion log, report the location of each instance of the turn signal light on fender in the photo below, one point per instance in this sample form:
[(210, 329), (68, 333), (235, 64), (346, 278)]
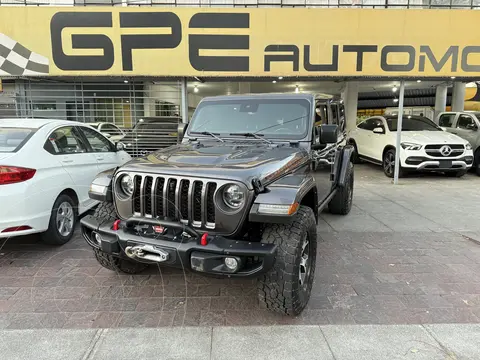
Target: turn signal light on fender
[(15, 174)]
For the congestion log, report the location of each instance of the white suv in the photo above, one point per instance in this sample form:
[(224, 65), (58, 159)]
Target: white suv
[(425, 146)]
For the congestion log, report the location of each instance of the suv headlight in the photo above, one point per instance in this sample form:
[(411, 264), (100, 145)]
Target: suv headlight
[(233, 196), (468, 146), (411, 146), (126, 184)]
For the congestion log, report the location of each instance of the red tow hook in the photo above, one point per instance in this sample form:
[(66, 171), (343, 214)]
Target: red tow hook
[(203, 240), (116, 225)]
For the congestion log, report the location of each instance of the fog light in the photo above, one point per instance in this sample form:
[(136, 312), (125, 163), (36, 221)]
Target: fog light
[(98, 238), (231, 263)]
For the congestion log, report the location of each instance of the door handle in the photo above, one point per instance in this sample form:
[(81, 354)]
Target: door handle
[(67, 161), (100, 158)]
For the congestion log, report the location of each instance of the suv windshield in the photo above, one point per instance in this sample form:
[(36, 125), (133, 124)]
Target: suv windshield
[(12, 139), (413, 123), (275, 118)]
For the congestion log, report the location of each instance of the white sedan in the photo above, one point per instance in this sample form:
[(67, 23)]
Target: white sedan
[(424, 146), (46, 168)]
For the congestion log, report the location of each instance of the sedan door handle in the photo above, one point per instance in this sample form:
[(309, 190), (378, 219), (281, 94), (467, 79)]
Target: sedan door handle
[(67, 161), (100, 158)]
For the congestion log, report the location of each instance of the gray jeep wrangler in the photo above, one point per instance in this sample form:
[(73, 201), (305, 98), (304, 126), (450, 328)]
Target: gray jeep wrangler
[(239, 197)]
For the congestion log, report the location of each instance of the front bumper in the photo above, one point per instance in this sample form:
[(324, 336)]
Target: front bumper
[(435, 164), (178, 246)]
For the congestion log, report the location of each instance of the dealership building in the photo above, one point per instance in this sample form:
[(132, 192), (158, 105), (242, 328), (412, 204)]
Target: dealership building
[(120, 61)]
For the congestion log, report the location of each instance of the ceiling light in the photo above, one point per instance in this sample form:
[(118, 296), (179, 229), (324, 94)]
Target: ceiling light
[(274, 81), (297, 89), (125, 81), (419, 81), (395, 100), (452, 77), (195, 89), (394, 89), (280, 77)]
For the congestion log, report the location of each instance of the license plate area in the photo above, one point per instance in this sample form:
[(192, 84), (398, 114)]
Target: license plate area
[(445, 164)]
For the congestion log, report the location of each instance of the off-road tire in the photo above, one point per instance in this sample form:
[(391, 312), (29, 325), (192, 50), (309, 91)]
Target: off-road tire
[(105, 211), (457, 174), (52, 235), (401, 171), (279, 289), (116, 264), (341, 203)]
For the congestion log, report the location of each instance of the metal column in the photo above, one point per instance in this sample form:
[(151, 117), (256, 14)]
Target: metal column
[(184, 101), (399, 132)]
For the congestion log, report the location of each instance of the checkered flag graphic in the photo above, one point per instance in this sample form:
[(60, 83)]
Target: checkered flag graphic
[(17, 60)]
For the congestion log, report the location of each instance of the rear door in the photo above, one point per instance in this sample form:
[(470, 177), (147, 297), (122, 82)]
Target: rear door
[(68, 146)]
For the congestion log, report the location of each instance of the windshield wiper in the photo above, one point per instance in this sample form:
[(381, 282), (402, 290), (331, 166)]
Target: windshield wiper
[(209, 134), (249, 134)]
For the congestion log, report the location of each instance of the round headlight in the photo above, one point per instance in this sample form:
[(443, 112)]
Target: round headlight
[(126, 183), (233, 196)]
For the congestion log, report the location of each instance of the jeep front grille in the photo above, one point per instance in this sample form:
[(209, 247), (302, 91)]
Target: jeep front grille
[(178, 199)]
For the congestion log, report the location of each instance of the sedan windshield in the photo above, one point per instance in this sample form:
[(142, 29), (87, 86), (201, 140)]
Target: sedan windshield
[(413, 123), (285, 118), (12, 139)]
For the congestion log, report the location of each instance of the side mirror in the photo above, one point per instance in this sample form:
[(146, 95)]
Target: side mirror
[(181, 130), (379, 130), (120, 146), (328, 134), (472, 127)]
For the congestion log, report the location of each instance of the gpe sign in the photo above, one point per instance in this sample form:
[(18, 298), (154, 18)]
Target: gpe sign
[(129, 42), (253, 43)]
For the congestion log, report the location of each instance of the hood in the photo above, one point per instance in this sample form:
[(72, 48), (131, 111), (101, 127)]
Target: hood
[(241, 162), (431, 137)]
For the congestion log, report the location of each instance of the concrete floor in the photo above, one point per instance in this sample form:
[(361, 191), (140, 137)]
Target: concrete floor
[(407, 254), (329, 342)]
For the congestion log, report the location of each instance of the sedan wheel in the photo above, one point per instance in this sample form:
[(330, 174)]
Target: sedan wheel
[(65, 219)]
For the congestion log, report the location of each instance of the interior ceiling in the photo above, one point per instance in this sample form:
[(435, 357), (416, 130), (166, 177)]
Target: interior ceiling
[(327, 87)]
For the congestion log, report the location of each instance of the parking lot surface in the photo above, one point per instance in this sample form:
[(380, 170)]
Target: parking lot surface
[(406, 254)]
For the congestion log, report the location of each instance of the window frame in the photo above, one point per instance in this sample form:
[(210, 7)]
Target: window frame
[(90, 148), (454, 121), (80, 140), (115, 128), (464, 128)]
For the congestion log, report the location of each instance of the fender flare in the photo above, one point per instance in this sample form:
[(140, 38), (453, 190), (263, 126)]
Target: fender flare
[(281, 195), (346, 158), (101, 187)]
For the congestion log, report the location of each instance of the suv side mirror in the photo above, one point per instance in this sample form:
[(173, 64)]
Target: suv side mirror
[(328, 134), (472, 127), (119, 146), (181, 128), (379, 130)]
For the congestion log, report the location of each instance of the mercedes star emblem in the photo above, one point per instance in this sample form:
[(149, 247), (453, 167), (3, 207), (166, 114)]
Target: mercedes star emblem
[(445, 150)]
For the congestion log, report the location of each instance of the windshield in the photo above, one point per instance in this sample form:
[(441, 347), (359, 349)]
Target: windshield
[(155, 126), (412, 123), (275, 118), (12, 139)]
